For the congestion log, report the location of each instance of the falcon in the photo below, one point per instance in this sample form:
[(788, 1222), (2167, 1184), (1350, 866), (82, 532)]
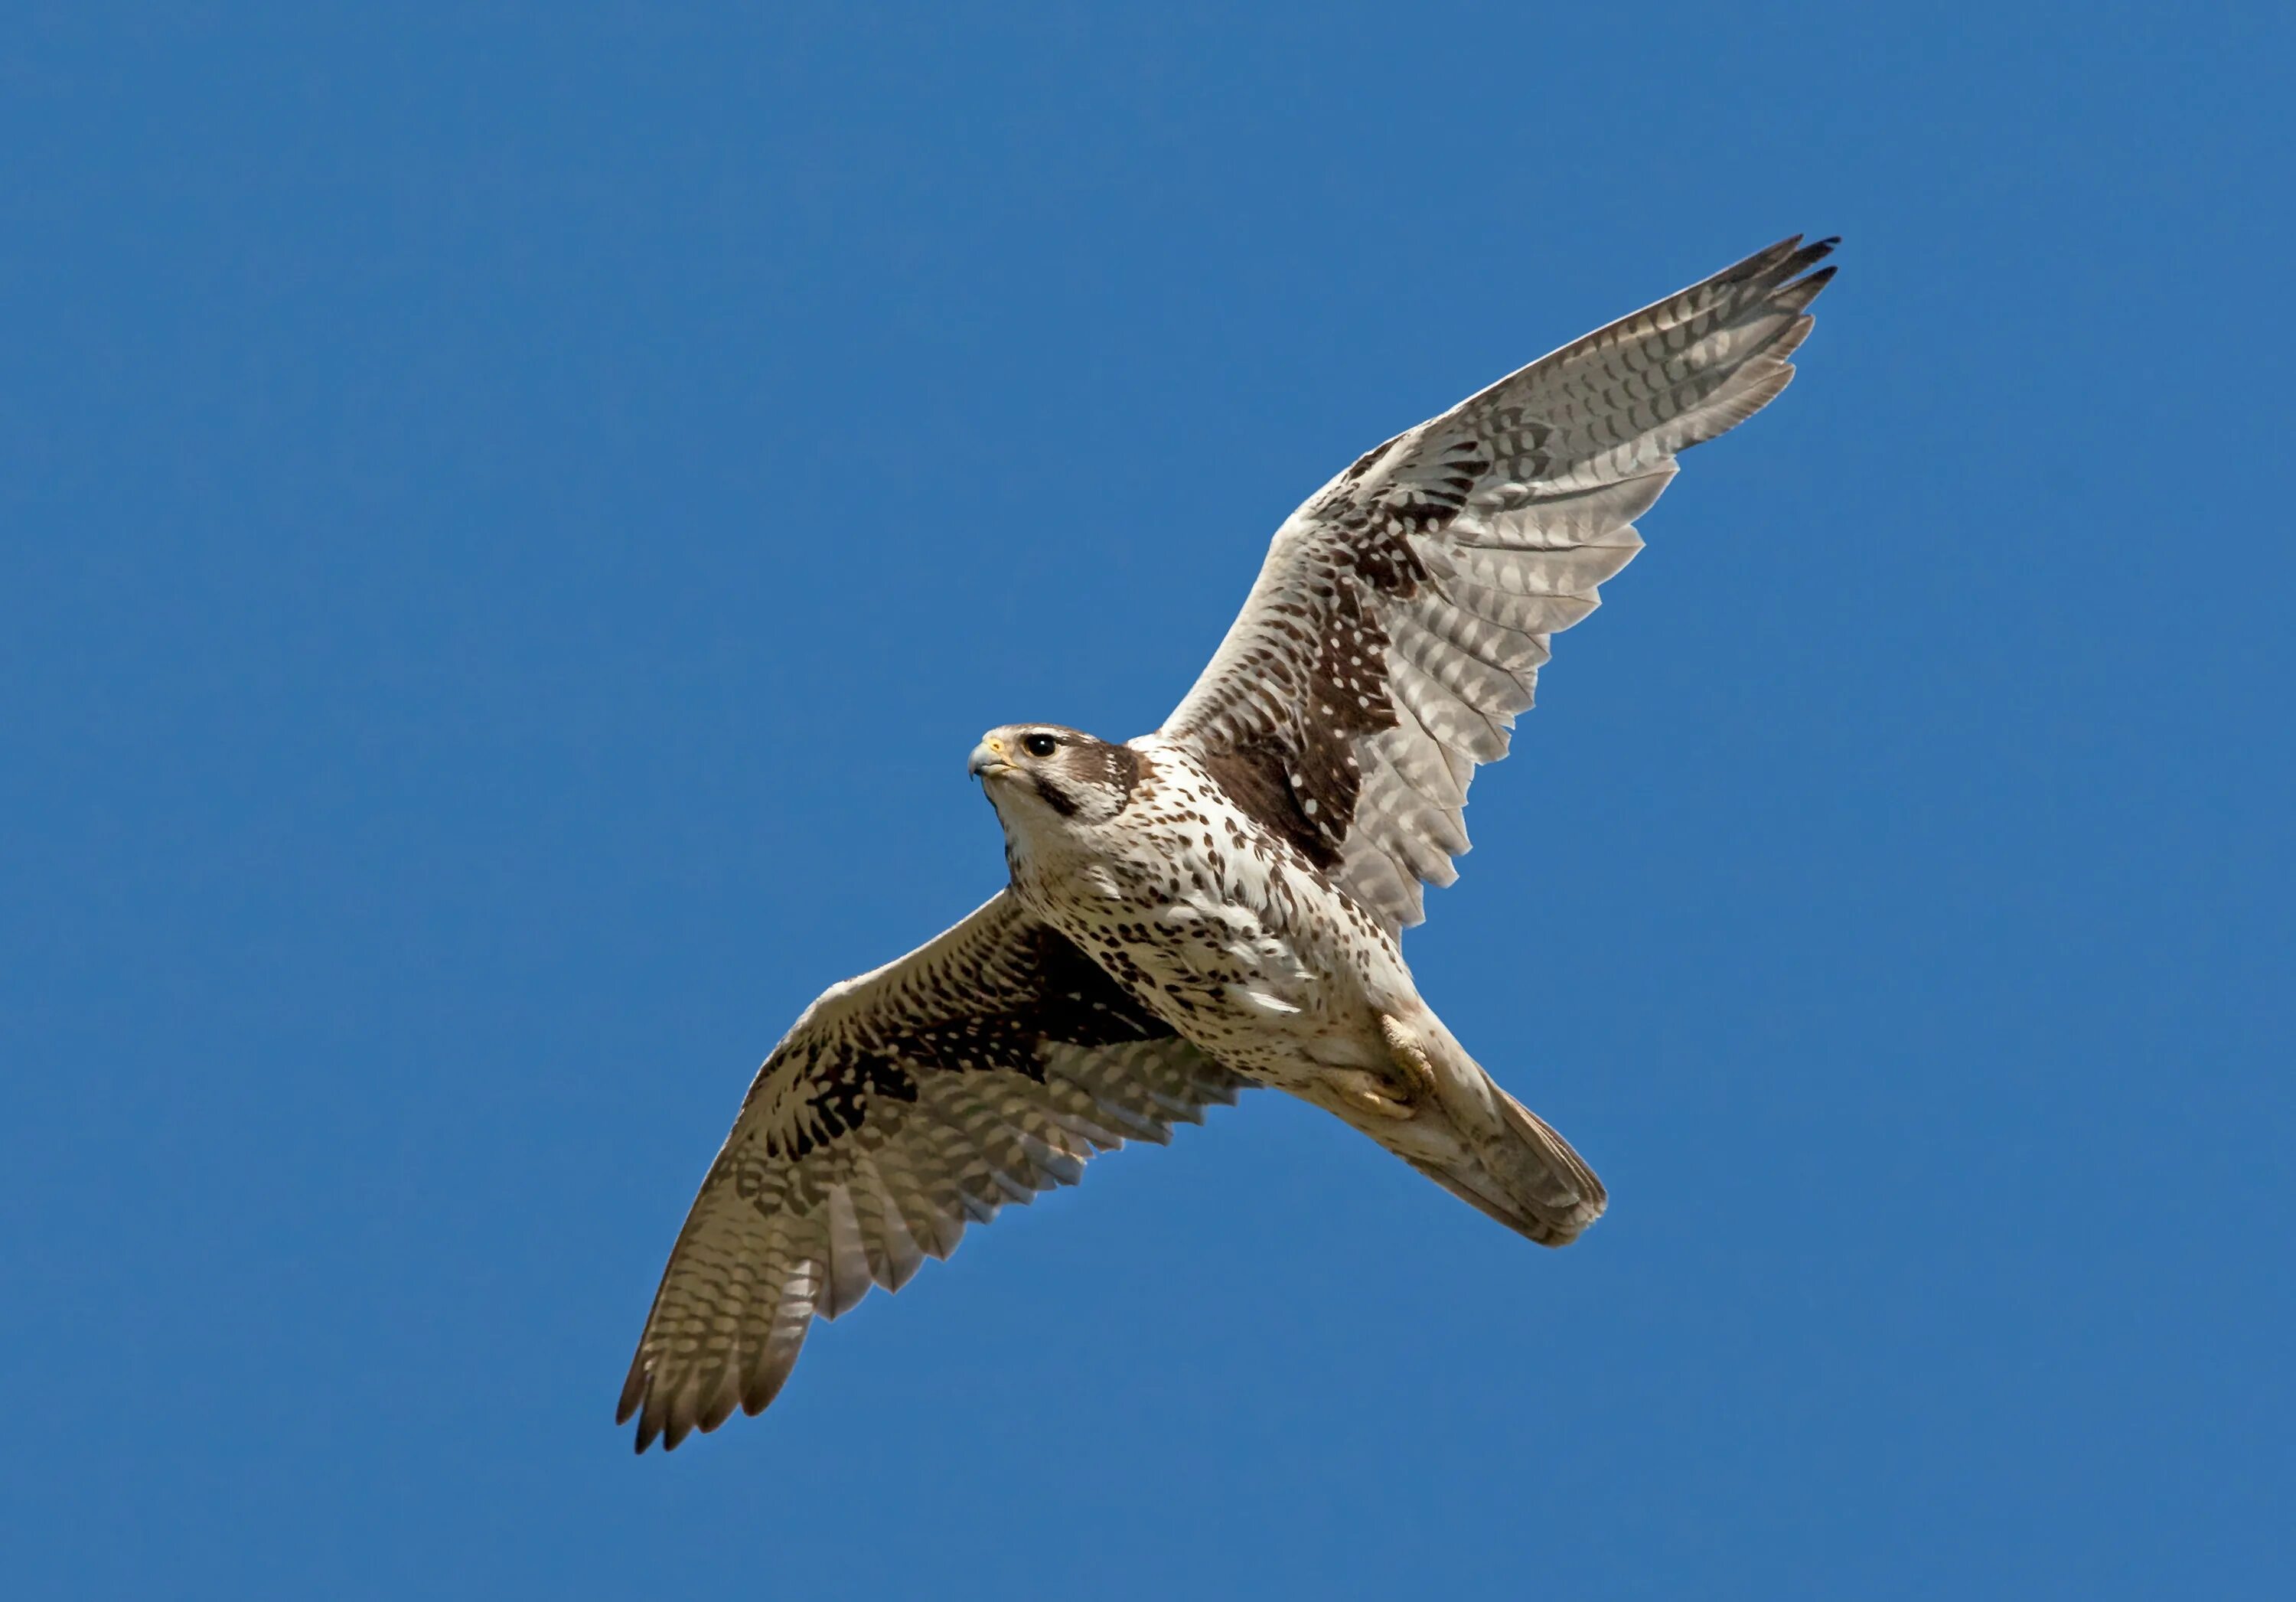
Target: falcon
[(1219, 904)]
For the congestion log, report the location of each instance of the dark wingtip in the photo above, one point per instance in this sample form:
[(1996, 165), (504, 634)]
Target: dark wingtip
[(1776, 263), (720, 1410), (764, 1385), (640, 1397), (1762, 261), (633, 1390), (1792, 285)]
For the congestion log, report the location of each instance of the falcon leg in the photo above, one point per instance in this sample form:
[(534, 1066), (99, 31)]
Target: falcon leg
[(1367, 1092), (1409, 1057), (1399, 1095)]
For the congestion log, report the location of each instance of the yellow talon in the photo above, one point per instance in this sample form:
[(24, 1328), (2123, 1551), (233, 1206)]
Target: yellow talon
[(1404, 1051), (1365, 1091)]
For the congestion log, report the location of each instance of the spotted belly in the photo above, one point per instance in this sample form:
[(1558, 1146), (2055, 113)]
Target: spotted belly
[(1230, 979)]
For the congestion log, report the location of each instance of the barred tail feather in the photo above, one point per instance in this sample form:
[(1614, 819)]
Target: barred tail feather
[(1499, 1157)]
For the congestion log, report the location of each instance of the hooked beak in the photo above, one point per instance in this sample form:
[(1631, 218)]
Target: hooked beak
[(988, 758)]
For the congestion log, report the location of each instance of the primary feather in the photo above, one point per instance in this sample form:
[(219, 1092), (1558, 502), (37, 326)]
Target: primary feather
[(1403, 613)]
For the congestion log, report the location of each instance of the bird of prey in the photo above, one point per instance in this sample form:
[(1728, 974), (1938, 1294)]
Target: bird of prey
[(1218, 904)]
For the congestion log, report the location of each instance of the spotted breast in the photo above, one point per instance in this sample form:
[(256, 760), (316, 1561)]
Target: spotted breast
[(1212, 919)]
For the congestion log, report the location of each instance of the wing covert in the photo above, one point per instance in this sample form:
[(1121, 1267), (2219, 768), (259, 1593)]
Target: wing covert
[(1399, 621), (981, 1068)]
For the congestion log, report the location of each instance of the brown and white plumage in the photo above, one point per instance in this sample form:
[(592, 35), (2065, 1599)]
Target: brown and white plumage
[(901, 1107), (980, 1069), (1402, 615), (1218, 904)]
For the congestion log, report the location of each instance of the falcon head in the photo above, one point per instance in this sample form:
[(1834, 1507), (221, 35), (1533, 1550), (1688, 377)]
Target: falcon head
[(1034, 769)]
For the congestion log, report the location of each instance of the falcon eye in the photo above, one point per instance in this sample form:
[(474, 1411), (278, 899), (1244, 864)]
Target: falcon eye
[(1038, 745)]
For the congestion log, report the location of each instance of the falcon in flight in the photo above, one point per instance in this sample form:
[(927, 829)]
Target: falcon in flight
[(1218, 904)]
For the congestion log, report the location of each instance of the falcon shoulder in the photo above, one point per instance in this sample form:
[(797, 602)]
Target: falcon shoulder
[(977, 1070), (1402, 615)]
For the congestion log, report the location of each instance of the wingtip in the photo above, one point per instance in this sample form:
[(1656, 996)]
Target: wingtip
[(1786, 257), (633, 1389), (641, 1401), (1762, 262), (1810, 255)]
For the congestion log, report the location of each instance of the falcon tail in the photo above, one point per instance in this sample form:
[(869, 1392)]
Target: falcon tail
[(1469, 1136), (1541, 1189)]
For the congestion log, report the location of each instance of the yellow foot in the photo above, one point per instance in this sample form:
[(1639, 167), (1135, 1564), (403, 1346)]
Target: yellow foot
[(1367, 1092), (1404, 1051), (1398, 1095)]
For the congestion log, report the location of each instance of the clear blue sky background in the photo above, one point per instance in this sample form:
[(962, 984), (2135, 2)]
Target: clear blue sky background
[(513, 517)]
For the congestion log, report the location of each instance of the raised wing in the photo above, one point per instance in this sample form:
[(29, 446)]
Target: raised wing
[(1402, 615), (977, 1070)]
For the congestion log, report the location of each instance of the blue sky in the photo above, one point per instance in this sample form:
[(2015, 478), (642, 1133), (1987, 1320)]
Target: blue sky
[(514, 516)]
